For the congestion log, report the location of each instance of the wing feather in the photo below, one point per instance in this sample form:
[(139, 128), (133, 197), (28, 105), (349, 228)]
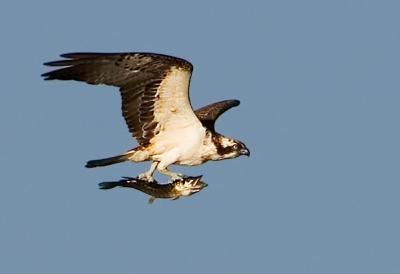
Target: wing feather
[(210, 113), (150, 84)]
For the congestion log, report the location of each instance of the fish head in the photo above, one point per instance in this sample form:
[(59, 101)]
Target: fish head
[(189, 185)]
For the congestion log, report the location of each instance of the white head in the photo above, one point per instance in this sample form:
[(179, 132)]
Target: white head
[(228, 148)]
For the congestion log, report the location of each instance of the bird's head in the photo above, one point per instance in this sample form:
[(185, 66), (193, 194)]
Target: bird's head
[(229, 148)]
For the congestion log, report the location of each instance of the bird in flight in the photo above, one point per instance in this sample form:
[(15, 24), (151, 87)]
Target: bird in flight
[(156, 107)]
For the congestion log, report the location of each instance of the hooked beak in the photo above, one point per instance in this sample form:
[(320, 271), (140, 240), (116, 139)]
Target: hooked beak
[(245, 151)]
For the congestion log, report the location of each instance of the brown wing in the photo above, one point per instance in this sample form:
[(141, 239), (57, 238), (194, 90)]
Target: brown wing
[(210, 113), (140, 78)]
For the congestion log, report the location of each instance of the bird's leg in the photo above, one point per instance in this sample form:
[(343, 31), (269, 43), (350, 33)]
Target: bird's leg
[(174, 176), (168, 159), (148, 176)]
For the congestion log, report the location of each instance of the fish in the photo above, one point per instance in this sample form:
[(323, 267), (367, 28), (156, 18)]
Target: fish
[(181, 187)]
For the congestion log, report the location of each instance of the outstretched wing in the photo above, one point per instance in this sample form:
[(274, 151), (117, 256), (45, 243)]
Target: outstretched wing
[(210, 113), (154, 87)]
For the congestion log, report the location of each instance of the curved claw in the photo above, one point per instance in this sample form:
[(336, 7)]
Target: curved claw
[(177, 177), (146, 177)]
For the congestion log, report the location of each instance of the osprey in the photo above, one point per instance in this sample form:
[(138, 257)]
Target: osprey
[(156, 107)]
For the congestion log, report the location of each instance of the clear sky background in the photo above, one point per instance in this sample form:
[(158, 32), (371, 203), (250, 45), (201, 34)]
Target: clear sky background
[(319, 86)]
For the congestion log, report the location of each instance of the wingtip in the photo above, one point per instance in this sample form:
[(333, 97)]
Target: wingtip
[(69, 58), (46, 76), (80, 55), (232, 102), (73, 55), (236, 102), (68, 54)]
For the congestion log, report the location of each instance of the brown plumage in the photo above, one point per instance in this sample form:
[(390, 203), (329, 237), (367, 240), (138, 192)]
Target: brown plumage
[(137, 75), (156, 107), (210, 113)]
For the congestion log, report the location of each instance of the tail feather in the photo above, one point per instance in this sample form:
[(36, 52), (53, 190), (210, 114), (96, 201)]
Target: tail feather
[(108, 161)]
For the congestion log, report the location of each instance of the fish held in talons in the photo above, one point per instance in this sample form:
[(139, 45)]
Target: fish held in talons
[(178, 188)]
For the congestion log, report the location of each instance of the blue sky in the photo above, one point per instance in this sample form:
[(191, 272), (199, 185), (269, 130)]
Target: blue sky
[(319, 86)]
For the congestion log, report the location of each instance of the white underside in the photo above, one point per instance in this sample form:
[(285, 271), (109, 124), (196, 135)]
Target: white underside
[(180, 147), (181, 134)]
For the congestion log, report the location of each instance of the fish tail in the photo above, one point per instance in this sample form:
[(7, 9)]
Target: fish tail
[(109, 185)]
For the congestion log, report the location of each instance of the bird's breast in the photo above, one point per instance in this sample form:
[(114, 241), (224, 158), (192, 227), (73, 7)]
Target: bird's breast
[(185, 142), (204, 151)]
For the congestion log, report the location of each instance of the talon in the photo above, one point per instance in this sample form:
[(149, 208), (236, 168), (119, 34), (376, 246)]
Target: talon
[(146, 177), (177, 176)]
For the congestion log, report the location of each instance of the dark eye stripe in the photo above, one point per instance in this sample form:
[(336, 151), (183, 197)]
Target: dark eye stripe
[(220, 149)]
